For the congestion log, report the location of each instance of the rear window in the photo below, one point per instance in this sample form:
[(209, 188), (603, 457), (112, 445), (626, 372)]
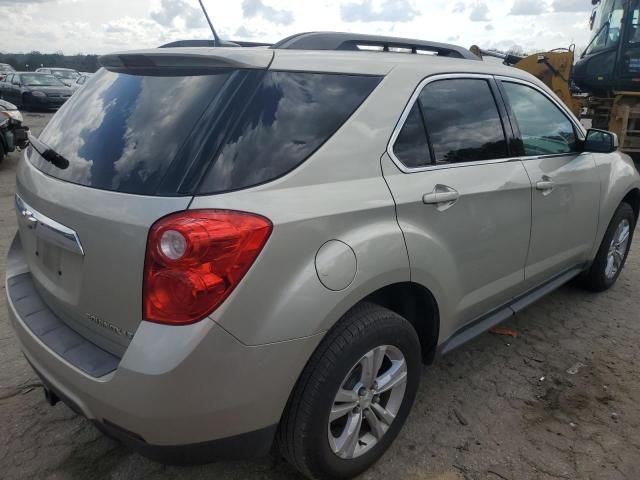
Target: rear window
[(290, 116), (121, 132), (156, 135)]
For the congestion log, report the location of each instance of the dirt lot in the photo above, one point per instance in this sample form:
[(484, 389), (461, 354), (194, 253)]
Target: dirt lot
[(498, 408)]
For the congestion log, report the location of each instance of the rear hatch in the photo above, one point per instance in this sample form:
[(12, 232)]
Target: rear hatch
[(126, 150)]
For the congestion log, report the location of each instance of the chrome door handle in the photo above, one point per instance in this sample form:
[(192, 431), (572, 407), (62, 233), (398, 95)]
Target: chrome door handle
[(442, 196), (546, 185)]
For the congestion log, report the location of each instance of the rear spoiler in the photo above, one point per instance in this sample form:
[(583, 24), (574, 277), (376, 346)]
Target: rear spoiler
[(177, 59)]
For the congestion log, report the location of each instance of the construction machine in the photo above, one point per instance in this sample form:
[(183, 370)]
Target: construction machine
[(604, 84)]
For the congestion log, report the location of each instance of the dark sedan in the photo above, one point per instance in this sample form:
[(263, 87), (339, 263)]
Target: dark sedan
[(32, 90)]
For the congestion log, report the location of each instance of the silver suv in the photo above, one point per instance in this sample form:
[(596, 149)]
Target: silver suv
[(222, 249)]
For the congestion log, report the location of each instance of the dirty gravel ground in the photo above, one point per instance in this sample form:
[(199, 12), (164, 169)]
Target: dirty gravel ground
[(497, 408)]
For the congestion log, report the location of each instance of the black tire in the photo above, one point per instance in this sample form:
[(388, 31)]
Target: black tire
[(303, 432), (596, 279), (2, 152)]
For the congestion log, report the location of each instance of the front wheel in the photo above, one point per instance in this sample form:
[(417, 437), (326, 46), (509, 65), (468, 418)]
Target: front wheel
[(613, 252), (353, 396)]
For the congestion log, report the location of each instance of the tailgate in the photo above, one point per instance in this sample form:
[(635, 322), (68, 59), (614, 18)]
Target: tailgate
[(85, 248)]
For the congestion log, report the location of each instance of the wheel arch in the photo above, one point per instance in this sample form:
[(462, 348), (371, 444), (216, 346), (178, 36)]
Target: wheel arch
[(417, 305), (633, 199)]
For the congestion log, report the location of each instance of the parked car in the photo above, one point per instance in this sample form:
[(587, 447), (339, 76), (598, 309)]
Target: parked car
[(65, 75), (4, 69), (234, 245), (81, 80), (32, 90), (13, 134)]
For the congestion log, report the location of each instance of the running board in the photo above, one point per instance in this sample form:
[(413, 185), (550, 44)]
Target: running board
[(486, 322)]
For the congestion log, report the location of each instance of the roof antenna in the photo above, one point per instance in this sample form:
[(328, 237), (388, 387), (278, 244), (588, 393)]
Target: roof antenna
[(216, 39)]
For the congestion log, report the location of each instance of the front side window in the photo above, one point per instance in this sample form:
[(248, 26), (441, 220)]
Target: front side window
[(544, 129), (463, 121)]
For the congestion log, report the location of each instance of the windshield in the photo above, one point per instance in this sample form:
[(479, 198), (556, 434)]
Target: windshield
[(65, 74), (6, 68), (607, 25), (40, 80)]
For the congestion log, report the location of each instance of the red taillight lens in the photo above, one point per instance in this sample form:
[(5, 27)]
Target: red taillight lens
[(195, 259)]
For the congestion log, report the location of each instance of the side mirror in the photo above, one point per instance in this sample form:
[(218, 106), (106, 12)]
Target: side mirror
[(600, 141)]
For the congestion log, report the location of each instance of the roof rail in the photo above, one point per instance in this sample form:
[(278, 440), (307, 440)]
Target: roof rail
[(354, 41), (212, 43)]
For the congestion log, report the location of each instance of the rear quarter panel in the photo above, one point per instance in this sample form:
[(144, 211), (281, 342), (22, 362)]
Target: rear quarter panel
[(338, 193)]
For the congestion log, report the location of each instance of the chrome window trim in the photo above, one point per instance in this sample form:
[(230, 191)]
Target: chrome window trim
[(409, 106), (414, 96)]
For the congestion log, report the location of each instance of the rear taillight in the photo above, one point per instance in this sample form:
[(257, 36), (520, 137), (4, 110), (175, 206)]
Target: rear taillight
[(195, 259)]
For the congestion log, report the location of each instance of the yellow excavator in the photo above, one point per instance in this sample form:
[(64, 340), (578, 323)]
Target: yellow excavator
[(604, 84)]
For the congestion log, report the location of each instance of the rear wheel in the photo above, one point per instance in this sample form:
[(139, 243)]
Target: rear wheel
[(613, 251), (353, 396), (2, 152)]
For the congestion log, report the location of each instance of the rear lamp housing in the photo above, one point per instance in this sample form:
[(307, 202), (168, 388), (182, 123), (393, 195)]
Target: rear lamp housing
[(195, 259)]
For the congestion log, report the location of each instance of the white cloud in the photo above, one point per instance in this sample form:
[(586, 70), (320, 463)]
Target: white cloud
[(571, 6), (528, 7), (479, 12), (385, 11), (257, 8), (74, 26), (178, 11)]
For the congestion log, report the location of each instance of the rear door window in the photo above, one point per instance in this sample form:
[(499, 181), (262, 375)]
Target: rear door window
[(544, 129), (411, 146), (463, 122), (288, 118)]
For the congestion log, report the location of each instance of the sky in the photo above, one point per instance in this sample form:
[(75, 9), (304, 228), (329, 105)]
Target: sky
[(101, 26)]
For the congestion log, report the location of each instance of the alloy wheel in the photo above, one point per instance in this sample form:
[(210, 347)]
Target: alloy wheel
[(367, 402)]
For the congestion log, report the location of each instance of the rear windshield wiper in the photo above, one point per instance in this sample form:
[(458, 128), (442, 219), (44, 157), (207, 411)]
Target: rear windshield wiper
[(48, 153)]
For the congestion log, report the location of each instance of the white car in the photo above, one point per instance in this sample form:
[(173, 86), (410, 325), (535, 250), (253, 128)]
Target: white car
[(65, 75), (81, 80)]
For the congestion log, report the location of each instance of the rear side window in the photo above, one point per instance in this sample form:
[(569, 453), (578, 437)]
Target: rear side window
[(411, 146), (544, 129), (463, 121), (288, 118)]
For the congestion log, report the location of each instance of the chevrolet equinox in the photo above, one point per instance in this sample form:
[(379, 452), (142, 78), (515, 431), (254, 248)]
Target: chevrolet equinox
[(224, 249)]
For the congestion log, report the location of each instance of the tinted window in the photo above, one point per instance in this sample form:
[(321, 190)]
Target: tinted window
[(544, 128), (288, 118), (411, 146), (462, 121), (121, 132), (40, 79)]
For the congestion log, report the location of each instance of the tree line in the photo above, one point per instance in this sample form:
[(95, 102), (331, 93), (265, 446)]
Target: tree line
[(31, 61)]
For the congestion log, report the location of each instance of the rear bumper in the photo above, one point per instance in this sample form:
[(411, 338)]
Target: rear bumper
[(179, 394)]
